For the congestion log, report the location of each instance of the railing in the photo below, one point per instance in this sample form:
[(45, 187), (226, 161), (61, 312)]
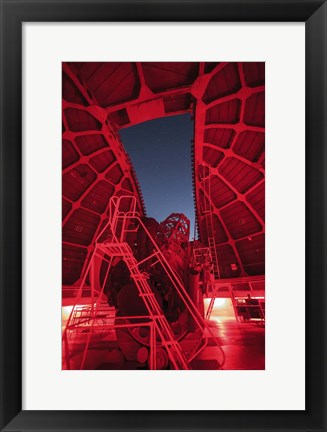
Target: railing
[(92, 326)]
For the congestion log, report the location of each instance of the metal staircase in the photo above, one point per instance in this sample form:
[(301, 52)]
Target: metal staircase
[(112, 243), (174, 350)]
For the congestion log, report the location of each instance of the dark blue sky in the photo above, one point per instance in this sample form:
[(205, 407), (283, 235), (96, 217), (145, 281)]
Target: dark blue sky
[(160, 151)]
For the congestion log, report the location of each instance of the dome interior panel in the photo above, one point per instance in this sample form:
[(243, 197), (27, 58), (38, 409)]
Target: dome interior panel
[(77, 180)]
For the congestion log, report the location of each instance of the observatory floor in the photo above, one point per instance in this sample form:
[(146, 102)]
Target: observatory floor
[(243, 345)]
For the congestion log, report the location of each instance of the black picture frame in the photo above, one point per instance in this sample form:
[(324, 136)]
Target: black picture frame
[(13, 14)]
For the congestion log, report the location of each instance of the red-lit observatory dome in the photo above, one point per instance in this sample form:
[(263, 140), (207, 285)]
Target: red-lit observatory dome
[(228, 104)]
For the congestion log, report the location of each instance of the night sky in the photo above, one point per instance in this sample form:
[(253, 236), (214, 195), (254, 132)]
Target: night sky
[(160, 151)]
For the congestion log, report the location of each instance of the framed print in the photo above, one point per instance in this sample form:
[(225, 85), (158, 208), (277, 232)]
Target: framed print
[(141, 288), (195, 277)]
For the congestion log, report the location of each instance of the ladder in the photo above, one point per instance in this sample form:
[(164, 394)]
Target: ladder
[(213, 252), (207, 211), (174, 350), (210, 307)]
